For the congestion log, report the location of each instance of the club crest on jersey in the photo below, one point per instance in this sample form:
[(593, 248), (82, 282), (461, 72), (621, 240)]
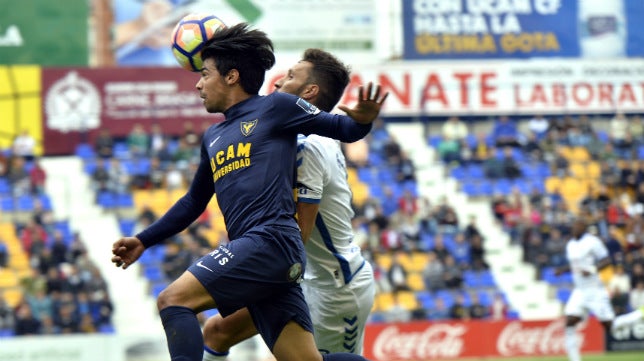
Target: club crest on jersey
[(308, 107), (248, 127), (294, 272)]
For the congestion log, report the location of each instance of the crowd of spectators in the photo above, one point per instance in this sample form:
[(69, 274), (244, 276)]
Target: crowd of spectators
[(611, 200), (62, 291)]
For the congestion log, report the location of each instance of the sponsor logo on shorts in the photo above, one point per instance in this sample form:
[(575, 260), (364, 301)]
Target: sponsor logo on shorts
[(200, 264)]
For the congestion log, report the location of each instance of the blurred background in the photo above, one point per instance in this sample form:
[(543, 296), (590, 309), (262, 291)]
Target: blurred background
[(505, 121)]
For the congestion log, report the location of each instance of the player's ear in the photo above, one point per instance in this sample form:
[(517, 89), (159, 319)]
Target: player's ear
[(232, 76), (310, 91)]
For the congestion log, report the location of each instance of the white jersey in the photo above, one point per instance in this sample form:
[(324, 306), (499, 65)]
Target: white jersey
[(332, 258), (583, 255), (338, 283)]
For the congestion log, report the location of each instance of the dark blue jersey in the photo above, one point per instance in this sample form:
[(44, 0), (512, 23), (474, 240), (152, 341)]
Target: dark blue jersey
[(248, 161)]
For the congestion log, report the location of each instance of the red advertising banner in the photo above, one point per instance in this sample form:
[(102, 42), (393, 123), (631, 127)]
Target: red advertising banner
[(419, 341), (79, 101)]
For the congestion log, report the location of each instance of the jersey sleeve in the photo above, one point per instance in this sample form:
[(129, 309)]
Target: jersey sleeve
[(186, 210), (310, 173), (599, 249), (297, 116)]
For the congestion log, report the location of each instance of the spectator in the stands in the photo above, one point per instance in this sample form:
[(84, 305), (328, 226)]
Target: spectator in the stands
[(449, 150), (25, 322), (439, 312), (532, 147), (555, 247), (408, 203), (4, 163), (175, 261), (452, 273), (455, 129), (493, 166), (173, 178), (560, 164), (4, 255), (157, 139), (480, 151), (37, 177), (433, 273), (498, 307), (397, 274), (636, 296), (24, 145), (18, 177), (138, 141), (118, 177), (505, 132), (511, 168), (104, 143), (6, 313), (476, 309), (190, 137), (391, 240), (477, 254), (392, 151), (183, 154), (619, 287), (538, 126), (409, 229), (458, 310), (406, 170), (460, 250), (100, 177), (33, 237), (439, 247)]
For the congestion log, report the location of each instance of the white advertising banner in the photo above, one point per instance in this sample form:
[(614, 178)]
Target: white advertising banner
[(513, 87)]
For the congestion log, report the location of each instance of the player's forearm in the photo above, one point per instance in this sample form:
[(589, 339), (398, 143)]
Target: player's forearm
[(306, 215), (178, 218)]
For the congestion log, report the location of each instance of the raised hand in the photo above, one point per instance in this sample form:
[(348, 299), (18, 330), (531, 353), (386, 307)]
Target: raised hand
[(368, 106)]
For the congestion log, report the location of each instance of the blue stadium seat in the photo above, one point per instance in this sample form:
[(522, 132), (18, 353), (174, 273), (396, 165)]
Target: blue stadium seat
[(85, 151), (121, 150), (375, 160), (45, 200), (25, 203), (475, 172), (154, 274), (7, 204), (124, 200), (127, 226), (471, 189), (106, 200), (106, 329), (434, 140), (5, 187), (425, 299), (502, 186), (459, 173), (563, 294)]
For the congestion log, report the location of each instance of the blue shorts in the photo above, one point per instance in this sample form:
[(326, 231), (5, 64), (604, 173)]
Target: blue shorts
[(260, 271)]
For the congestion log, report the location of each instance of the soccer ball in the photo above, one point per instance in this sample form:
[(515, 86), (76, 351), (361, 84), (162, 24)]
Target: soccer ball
[(189, 36)]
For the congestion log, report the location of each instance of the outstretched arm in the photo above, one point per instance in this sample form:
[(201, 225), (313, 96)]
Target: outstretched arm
[(368, 106)]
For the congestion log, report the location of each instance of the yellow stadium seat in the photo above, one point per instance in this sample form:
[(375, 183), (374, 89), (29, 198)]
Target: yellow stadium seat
[(578, 170), (8, 278), (594, 170), (579, 154), (383, 301), (415, 281), (13, 296), (552, 184), (418, 261), (384, 261), (407, 299)]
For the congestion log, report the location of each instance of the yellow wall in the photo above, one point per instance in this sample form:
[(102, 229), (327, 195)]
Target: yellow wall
[(20, 103)]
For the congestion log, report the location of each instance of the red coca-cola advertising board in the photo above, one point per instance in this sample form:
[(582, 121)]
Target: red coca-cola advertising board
[(418, 341), (77, 102)]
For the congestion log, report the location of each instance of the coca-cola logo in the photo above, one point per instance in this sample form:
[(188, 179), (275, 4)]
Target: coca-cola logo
[(435, 341), (520, 339)]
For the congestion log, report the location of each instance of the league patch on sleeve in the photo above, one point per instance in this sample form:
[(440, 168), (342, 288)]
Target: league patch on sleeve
[(308, 107)]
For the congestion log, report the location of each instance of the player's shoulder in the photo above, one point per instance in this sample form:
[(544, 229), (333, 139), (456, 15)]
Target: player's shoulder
[(286, 100)]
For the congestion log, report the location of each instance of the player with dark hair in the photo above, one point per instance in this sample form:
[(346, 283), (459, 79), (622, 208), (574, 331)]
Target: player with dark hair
[(338, 283), (248, 161), (587, 255)]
